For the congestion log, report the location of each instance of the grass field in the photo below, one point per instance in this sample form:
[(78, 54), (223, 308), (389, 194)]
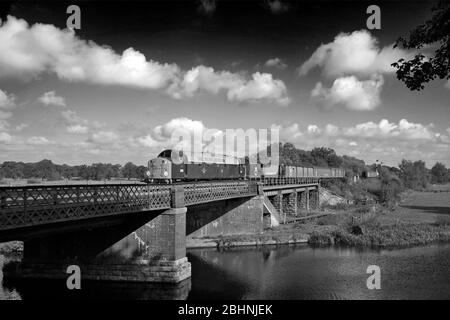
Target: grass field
[(422, 207), (420, 218)]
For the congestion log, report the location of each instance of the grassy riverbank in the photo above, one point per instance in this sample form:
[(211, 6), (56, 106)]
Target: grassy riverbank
[(421, 218), (376, 233)]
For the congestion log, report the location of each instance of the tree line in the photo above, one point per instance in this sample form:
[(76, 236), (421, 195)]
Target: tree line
[(387, 187), (411, 175), (47, 170)]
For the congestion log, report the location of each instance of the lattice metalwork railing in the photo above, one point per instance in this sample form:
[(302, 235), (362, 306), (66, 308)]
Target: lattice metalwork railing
[(212, 191), (289, 181), (33, 205)]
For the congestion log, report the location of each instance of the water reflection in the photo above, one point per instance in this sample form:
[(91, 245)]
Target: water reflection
[(30, 289), (303, 272), (286, 272), (5, 292), (98, 290)]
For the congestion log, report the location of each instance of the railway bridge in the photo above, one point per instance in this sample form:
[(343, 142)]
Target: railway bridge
[(137, 232)]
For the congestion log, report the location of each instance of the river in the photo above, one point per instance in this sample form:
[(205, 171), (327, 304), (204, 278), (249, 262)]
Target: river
[(285, 272)]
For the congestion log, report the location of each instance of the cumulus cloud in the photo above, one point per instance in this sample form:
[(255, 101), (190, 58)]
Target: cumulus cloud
[(21, 126), (7, 103), (28, 51), (51, 99), (5, 137), (38, 140), (262, 86), (370, 140), (76, 124), (71, 117), (4, 115), (350, 92), (403, 130), (104, 137), (77, 129), (204, 78), (194, 137), (367, 140), (356, 63), (148, 141), (181, 125), (176, 133), (387, 140), (356, 53), (276, 63)]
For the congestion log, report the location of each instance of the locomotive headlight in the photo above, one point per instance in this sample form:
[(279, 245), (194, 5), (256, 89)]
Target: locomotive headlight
[(165, 173), (147, 173)]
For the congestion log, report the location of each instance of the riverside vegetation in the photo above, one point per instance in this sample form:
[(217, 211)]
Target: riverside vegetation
[(362, 226), (417, 218)]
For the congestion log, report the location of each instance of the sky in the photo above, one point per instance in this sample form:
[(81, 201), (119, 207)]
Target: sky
[(115, 90)]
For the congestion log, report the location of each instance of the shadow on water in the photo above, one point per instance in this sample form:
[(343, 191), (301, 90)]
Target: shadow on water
[(31, 289), (41, 289)]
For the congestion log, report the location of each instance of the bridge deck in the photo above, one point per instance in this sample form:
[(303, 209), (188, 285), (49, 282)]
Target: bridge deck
[(24, 206)]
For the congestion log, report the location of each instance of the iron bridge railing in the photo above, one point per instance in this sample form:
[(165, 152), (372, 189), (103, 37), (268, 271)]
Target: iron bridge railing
[(23, 206), (268, 181)]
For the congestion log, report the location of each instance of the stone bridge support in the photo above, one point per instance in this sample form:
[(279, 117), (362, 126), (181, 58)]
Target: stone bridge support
[(278, 202), (304, 202), (228, 217), (142, 247), (294, 200), (314, 198), (291, 206)]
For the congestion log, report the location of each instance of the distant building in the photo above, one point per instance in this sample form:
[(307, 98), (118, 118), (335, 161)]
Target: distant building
[(370, 174)]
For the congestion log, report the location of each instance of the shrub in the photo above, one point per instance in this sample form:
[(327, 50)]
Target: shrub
[(442, 221)]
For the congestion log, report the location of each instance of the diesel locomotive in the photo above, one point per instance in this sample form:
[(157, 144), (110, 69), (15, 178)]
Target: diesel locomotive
[(173, 166)]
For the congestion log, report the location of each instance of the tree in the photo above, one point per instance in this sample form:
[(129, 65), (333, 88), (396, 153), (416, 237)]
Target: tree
[(44, 169), (414, 175), (439, 173), (325, 157), (390, 187), (433, 33), (141, 172), (353, 166), (129, 170)]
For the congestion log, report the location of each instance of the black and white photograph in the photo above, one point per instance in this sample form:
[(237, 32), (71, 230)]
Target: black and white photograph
[(223, 155)]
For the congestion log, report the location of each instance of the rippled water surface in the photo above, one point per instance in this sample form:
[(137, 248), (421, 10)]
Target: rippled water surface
[(299, 272)]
